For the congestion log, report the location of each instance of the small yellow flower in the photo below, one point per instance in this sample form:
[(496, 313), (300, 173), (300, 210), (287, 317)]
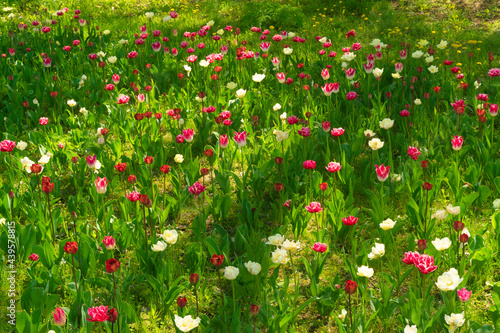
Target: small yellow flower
[(459, 64), (479, 63)]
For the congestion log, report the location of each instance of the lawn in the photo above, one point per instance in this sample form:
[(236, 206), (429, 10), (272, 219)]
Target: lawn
[(243, 166)]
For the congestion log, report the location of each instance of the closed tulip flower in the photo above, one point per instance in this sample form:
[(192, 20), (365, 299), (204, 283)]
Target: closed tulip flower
[(382, 172), (101, 185), (112, 265)]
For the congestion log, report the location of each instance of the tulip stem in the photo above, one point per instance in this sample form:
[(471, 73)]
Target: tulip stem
[(145, 231), (350, 310), (74, 274), (51, 220), (196, 296)]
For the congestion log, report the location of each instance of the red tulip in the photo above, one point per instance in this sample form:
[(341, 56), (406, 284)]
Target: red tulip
[(112, 265)]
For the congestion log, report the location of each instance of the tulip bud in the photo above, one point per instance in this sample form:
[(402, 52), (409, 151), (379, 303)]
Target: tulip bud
[(132, 179), (209, 153), (323, 186), (278, 160), (458, 226), (11, 195), (464, 238), (74, 159), (350, 287), (194, 278), (421, 244), (427, 186), (73, 216), (112, 315), (181, 302), (254, 309), (279, 187), (424, 164)]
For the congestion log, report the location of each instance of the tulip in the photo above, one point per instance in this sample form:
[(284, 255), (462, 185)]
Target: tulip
[(217, 260), (314, 207), (59, 317), (425, 264), (333, 167), (112, 265), (309, 164), (382, 172), (99, 314), (281, 77), (319, 247), (336, 132), (350, 287), (350, 220), (196, 189), (223, 141), (457, 142), (7, 146), (109, 242), (240, 138), (70, 247), (101, 185), (181, 302), (188, 134), (464, 295)]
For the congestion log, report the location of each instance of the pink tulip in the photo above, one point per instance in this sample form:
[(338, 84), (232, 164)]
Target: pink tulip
[(326, 126), (319, 247), (241, 138), (196, 189), (425, 264), (265, 46), (333, 167), (403, 54), (309, 164), (293, 120), (482, 97), (324, 74), (464, 295), (191, 58), (399, 67), (133, 196), (59, 317), (413, 152), (223, 141), (109, 87), (350, 220), (188, 134), (99, 313), (109, 242), (351, 96), (493, 110), (123, 99), (47, 62), (494, 72), (350, 73), (336, 132), (382, 172), (457, 142), (156, 46), (101, 185), (410, 257), (175, 52), (404, 113), (141, 98), (370, 58), (368, 67), (132, 55), (91, 161), (281, 77), (92, 56), (60, 145), (116, 78), (7, 146), (328, 89), (314, 207), (304, 132), (275, 61), (43, 121)]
